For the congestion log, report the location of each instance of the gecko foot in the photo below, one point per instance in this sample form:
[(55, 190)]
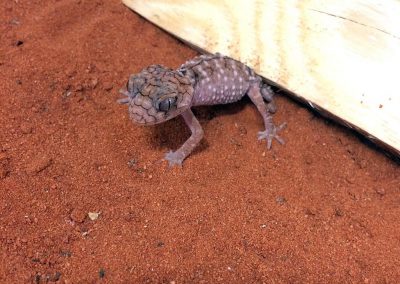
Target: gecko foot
[(173, 159), (272, 133)]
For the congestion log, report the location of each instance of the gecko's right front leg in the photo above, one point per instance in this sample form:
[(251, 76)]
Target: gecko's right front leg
[(177, 157)]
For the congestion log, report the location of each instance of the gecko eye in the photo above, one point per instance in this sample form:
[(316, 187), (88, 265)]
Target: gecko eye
[(166, 104)]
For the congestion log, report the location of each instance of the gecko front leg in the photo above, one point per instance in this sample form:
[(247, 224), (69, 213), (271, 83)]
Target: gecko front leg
[(271, 131), (177, 157)]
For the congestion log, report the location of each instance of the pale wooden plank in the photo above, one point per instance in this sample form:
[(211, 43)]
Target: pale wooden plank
[(342, 57)]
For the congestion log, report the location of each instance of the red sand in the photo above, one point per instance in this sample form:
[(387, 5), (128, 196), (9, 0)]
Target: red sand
[(323, 208)]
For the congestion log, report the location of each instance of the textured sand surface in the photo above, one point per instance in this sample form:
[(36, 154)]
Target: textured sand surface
[(323, 208)]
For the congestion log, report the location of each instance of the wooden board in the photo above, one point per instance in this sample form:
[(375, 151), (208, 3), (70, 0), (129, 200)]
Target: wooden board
[(342, 57)]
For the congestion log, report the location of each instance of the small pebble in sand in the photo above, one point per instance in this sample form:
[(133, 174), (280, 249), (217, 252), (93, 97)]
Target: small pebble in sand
[(93, 215), (102, 273), (280, 200), (380, 191)]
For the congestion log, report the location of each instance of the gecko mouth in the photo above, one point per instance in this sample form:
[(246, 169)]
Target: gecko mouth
[(145, 114), (140, 119)]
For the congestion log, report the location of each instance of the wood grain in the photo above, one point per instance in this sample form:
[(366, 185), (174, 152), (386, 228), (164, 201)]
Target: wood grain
[(341, 57)]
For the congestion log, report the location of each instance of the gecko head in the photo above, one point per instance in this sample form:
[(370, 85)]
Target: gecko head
[(157, 94)]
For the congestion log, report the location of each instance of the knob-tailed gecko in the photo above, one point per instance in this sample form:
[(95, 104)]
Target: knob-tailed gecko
[(159, 93)]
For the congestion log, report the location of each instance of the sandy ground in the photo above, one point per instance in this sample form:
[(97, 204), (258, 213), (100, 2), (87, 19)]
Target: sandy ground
[(323, 208)]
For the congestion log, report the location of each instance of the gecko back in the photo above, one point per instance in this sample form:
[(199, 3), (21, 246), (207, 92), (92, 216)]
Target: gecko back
[(218, 79)]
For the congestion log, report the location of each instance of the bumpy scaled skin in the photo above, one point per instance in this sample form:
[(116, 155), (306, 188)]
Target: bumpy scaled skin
[(158, 93)]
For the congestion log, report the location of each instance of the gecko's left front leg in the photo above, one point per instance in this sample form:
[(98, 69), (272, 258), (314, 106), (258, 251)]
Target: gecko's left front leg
[(177, 157), (271, 131)]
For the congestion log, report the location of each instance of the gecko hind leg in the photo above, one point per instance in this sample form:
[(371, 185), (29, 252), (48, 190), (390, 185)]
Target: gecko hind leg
[(256, 95), (268, 95)]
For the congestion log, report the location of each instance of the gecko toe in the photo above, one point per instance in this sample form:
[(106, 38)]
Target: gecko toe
[(173, 159), (272, 133), (280, 127)]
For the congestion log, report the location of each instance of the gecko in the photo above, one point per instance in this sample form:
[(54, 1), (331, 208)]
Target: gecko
[(158, 94)]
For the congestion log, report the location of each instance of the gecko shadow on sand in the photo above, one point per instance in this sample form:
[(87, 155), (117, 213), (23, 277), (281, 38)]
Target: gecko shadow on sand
[(172, 133)]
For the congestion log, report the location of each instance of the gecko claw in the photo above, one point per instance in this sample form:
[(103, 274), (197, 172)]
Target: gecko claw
[(126, 100), (123, 101), (272, 133), (124, 92), (173, 159)]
